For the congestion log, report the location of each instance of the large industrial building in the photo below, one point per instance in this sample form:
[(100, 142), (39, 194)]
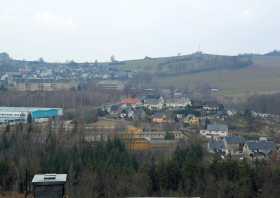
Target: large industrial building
[(20, 114)]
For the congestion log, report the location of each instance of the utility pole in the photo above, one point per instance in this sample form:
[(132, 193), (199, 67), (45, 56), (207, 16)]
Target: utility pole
[(26, 183)]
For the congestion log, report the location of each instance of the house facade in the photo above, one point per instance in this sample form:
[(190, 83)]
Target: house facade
[(132, 102), (216, 146), (44, 85), (192, 120), (154, 103), (177, 102), (160, 118), (233, 145)]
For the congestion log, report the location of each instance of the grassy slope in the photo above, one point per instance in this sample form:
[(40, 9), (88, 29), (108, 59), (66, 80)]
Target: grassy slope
[(185, 64), (262, 77)]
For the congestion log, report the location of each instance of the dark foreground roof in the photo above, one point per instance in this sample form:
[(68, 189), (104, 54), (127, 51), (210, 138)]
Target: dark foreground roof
[(216, 145), (261, 146)]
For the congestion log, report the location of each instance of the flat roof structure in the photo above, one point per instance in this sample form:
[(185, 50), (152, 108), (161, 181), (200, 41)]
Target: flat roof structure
[(29, 109), (47, 179), (49, 185), (20, 114)]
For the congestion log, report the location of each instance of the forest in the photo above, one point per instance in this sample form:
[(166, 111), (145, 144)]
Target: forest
[(109, 169)]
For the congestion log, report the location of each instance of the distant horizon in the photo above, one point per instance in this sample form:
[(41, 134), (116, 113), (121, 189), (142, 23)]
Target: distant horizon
[(86, 30), (136, 58)]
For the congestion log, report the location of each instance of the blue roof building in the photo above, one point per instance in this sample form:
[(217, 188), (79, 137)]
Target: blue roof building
[(20, 114)]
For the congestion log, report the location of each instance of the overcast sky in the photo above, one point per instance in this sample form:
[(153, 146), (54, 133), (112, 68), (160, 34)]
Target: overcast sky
[(85, 30)]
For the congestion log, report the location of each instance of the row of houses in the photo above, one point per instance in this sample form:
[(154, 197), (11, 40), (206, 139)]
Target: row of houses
[(141, 140), (43, 85), (238, 147), (39, 70), (157, 103), (220, 141), (134, 108), (160, 110)]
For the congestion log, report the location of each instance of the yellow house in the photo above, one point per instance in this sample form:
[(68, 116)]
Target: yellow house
[(136, 140), (192, 120), (146, 144), (140, 144), (134, 130), (160, 118), (134, 143)]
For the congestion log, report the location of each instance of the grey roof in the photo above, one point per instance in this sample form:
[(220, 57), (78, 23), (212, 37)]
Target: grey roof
[(152, 101), (234, 140), (216, 145), (217, 127), (177, 100), (49, 179), (261, 146), (159, 115), (110, 82)]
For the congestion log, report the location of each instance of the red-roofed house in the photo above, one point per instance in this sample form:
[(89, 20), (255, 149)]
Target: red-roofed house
[(131, 102)]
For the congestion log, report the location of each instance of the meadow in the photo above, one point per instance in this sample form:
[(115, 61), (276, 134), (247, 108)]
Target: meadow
[(262, 76)]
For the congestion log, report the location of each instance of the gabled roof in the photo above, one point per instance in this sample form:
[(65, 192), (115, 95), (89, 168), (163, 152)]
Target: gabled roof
[(216, 145), (131, 101), (177, 100), (234, 140), (159, 115), (152, 101), (217, 127), (260, 146)]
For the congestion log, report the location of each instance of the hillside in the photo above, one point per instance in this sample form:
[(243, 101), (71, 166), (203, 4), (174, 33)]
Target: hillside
[(273, 53), (194, 63), (261, 77), (241, 75)]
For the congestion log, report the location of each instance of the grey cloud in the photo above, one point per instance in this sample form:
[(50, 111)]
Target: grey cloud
[(86, 30)]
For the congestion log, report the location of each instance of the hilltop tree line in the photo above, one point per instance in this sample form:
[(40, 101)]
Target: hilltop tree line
[(109, 169)]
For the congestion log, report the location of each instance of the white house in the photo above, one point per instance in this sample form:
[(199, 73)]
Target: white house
[(153, 103), (177, 102), (215, 131)]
